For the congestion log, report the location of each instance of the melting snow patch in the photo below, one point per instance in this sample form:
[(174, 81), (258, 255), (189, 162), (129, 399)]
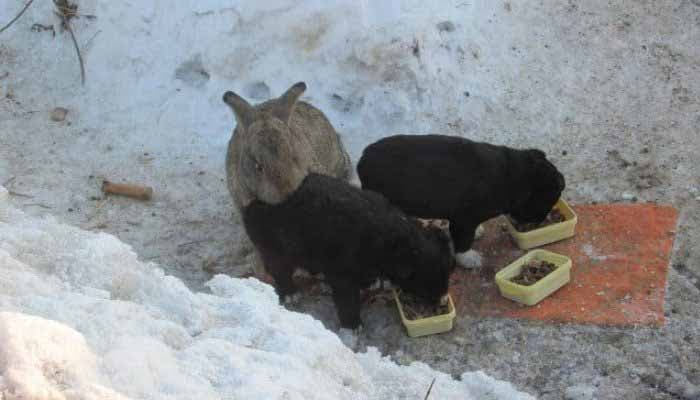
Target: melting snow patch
[(591, 253), (83, 318), (469, 259)]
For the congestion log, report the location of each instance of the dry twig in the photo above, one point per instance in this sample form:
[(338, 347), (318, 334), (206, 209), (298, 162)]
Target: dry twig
[(67, 11), (191, 243), (38, 205), (29, 3), (13, 193), (429, 389)]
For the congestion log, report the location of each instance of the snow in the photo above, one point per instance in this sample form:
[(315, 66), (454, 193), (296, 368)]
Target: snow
[(156, 72), (43, 359), (469, 259), (83, 318)]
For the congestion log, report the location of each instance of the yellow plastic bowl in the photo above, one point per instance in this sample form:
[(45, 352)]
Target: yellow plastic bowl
[(430, 325), (533, 294), (547, 234)]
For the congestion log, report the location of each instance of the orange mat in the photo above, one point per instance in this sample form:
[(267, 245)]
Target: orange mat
[(620, 258)]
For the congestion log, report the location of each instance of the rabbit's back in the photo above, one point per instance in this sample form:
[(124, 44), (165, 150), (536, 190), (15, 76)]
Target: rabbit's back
[(310, 126)]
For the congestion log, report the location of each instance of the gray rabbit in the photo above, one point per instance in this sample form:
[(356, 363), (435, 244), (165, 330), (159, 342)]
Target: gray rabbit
[(297, 135)]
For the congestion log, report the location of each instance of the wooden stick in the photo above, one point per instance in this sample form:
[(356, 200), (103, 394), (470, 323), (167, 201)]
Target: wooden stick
[(127, 189)]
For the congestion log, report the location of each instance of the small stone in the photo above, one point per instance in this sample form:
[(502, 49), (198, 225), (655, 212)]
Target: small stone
[(58, 114)]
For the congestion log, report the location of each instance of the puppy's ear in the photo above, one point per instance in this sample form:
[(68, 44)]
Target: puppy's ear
[(536, 154)]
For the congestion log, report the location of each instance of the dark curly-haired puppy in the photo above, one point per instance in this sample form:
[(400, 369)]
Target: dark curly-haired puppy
[(465, 182), (353, 237)]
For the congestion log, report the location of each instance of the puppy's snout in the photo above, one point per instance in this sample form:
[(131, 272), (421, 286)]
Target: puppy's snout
[(443, 300)]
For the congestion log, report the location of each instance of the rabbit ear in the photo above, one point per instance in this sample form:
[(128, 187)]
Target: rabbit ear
[(243, 110), (286, 102)]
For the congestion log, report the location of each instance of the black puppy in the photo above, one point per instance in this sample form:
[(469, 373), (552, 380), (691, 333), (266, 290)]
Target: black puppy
[(353, 237), (465, 182)]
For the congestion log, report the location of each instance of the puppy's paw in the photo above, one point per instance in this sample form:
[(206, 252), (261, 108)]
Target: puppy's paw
[(442, 224), (479, 232), (350, 337), (292, 299), (376, 285), (469, 259), (355, 181)]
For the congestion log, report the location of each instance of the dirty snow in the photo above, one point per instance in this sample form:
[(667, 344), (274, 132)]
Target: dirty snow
[(82, 318)]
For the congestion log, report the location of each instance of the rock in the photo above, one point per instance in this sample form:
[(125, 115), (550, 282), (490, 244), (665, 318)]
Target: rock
[(629, 197), (58, 114)]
